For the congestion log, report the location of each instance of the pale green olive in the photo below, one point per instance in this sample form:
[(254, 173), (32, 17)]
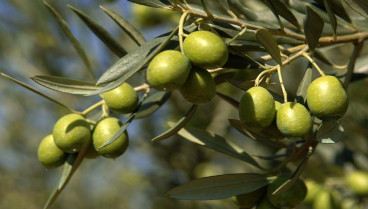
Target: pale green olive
[(123, 99), (49, 154)]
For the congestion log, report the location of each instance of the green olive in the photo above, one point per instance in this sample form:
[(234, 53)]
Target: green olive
[(326, 199), (145, 16), (168, 70), (250, 199), (358, 182), (289, 198), (257, 108), (293, 120), (205, 49), (266, 204), (199, 87), (49, 154), (272, 131), (327, 98), (313, 189), (71, 133), (91, 152), (106, 129), (123, 99)]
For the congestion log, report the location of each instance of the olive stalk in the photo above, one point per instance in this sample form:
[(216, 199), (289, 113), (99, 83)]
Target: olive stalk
[(181, 30), (313, 63)]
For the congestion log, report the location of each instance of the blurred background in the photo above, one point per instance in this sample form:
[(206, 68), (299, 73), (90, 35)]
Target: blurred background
[(32, 43)]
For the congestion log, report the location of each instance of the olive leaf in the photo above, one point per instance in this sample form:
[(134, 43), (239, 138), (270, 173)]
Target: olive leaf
[(301, 94), (219, 187), (313, 28), (330, 132), (132, 32), (363, 4), (331, 15), (178, 125), (228, 99), (217, 143), (248, 13), (152, 3), (339, 10), (279, 8), (65, 28), (152, 103), (265, 38), (65, 85), (101, 33)]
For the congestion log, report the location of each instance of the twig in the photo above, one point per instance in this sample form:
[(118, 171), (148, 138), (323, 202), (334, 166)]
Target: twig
[(282, 83), (313, 63), (181, 31)]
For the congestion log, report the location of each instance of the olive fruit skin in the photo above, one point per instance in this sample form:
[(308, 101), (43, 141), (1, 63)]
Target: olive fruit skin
[(205, 49), (326, 199), (291, 197), (123, 99), (257, 108), (293, 120), (71, 132), (327, 98), (313, 189), (168, 70), (49, 155), (104, 130), (358, 182), (199, 87), (265, 204), (249, 200)]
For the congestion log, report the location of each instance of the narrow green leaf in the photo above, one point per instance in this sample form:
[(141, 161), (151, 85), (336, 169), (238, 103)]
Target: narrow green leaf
[(322, 57), (101, 33), (248, 13), (331, 15), (178, 125), (301, 94), (65, 85), (363, 4), (37, 92), (120, 132), (330, 132), (153, 103), (219, 187), (284, 12), (352, 4), (70, 166), (339, 10), (228, 99), (217, 143), (313, 27), (265, 38), (132, 32), (65, 28), (152, 3), (129, 72), (270, 4), (224, 4)]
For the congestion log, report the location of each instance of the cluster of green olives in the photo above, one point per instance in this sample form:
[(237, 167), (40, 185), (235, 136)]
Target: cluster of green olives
[(170, 69), (326, 99), (73, 132), (264, 198)]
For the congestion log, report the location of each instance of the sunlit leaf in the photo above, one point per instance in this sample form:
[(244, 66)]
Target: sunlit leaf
[(152, 103), (265, 38), (301, 94), (313, 28), (133, 33), (65, 28), (152, 3), (219, 187), (178, 125), (330, 132), (65, 85), (101, 33), (217, 143)]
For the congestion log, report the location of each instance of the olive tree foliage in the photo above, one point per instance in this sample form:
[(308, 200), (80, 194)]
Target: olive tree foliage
[(280, 45)]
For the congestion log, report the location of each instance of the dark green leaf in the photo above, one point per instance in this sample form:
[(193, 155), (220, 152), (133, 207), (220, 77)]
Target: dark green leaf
[(120, 132), (68, 165), (339, 9), (248, 13), (301, 94), (363, 4), (127, 73), (355, 6), (36, 91), (65, 85), (65, 28), (284, 12), (152, 103), (178, 125), (230, 100), (217, 143), (331, 15), (270, 4), (330, 132), (265, 38), (101, 33), (322, 57), (313, 28), (219, 187), (132, 32), (152, 3)]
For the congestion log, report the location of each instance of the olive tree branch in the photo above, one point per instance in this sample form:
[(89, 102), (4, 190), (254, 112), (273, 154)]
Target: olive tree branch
[(313, 63)]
